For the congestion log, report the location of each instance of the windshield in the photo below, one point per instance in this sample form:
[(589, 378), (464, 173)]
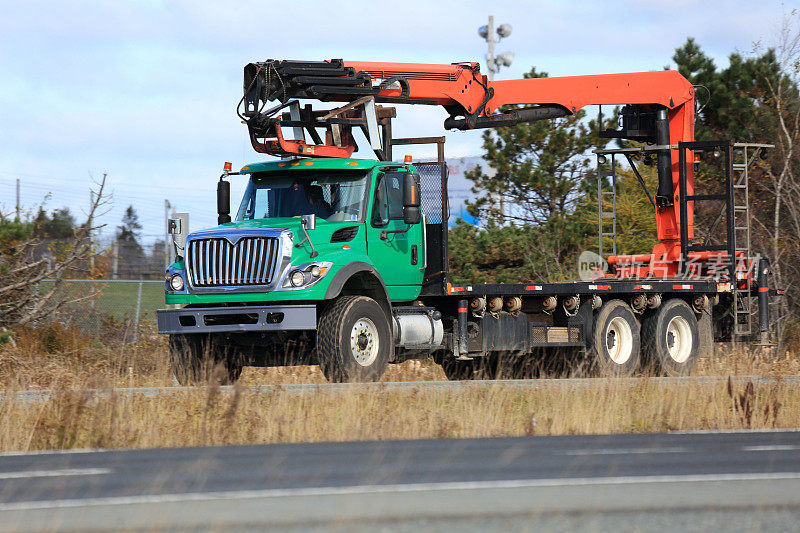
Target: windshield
[(331, 195)]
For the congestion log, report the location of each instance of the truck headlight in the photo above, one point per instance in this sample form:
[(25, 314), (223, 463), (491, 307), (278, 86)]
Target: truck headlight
[(307, 275), (297, 278), (176, 282)]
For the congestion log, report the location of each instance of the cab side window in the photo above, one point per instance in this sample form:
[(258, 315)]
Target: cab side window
[(388, 199)]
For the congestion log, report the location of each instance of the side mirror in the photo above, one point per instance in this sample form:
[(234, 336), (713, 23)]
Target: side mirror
[(309, 221), (174, 226), (411, 199), (223, 202), (178, 227)]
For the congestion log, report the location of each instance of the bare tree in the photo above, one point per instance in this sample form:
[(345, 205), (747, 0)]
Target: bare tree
[(22, 299), (781, 84)]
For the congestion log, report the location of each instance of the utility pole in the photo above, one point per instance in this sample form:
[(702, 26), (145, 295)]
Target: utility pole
[(172, 240), (493, 65), (17, 198), (505, 59), (89, 228), (114, 259), (490, 54), (166, 234)]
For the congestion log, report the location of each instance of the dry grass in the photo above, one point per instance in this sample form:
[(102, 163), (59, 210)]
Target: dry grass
[(56, 357), (746, 360), (52, 356), (206, 417), (63, 360)]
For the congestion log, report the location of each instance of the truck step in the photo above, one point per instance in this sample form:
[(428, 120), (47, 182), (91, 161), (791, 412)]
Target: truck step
[(543, 335), (557, 334)]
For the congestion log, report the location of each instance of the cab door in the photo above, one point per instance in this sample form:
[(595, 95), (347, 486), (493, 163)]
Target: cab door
[(398, 255)]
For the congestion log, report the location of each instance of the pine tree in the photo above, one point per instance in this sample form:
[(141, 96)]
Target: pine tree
[(526, 200), (131, 254), (59, 225)]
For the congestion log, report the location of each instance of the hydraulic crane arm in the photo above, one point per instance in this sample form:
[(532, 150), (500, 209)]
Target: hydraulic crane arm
[(464, 92), (459, 88)]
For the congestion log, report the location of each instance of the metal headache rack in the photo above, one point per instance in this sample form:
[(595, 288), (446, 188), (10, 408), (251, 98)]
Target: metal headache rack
[(743, 270), (607, 207), (607, 199)]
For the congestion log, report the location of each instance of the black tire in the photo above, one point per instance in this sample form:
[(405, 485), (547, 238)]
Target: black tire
[(353, 340), (200, 359), (616, 341), (671, 338)]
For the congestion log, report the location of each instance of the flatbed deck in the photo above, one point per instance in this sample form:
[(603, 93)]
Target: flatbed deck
[(599, 286)]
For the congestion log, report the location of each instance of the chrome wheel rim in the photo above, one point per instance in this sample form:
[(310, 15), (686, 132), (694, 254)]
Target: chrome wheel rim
[(679, 339), (364, 341), (619, 340)]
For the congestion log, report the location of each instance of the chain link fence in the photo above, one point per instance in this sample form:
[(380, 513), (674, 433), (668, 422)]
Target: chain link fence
[(121, 308)]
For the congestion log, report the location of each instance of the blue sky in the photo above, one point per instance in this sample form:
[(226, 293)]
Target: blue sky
[(146, 90)]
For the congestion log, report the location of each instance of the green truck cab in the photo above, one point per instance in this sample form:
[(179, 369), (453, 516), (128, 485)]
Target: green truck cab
[(313, 243)]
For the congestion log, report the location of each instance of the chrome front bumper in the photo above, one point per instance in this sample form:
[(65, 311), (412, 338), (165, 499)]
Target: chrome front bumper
[(237, 319)]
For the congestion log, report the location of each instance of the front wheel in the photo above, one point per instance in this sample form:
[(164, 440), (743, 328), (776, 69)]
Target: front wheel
[(353, 340), (671, 338), (616, 340)]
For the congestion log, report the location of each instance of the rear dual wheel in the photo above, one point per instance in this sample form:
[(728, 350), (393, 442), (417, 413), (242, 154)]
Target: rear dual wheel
[(616, 340), (671, 338), (668, 338)]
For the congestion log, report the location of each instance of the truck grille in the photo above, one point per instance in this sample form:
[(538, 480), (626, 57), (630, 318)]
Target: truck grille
[(216, 262)]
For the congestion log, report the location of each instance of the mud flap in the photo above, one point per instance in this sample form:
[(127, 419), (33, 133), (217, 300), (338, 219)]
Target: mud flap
[(705, 328)]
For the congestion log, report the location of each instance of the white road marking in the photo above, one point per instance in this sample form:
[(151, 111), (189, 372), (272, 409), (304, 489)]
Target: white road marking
[(55, 452), (773, 448), (55, 473), (731, 431), (625, 451), (409, 487)]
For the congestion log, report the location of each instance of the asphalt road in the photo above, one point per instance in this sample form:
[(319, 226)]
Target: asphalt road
[(630, 482)]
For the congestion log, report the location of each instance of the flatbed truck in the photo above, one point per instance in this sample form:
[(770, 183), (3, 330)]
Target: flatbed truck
[(343, 262)]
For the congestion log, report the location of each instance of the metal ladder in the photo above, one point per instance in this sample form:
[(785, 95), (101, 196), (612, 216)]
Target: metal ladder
[(604, 198), (742, 295)]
